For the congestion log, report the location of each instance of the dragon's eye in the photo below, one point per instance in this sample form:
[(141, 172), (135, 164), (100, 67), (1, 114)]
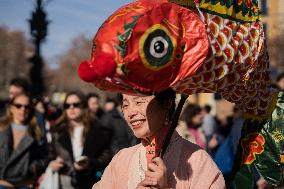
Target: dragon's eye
[(159, 45), (156, 47)]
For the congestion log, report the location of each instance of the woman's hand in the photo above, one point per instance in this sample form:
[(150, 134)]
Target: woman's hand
[(156, 176), (261, 183), (56, 165), (82, 164), (213, 143)]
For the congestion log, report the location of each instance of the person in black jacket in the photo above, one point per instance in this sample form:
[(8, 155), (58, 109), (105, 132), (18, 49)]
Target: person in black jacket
[(23, 157), (122, 135), (93, 104), (80, 146)]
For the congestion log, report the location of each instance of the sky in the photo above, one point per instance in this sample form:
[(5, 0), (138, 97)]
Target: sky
[(69, 18)]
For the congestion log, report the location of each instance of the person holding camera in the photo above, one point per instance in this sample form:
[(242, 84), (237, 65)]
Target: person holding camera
[(80, 146)]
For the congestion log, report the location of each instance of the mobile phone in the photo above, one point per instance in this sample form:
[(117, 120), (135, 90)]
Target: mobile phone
[(82, 160)]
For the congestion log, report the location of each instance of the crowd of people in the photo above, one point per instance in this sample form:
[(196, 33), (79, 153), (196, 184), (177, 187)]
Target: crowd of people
[(79, 139)]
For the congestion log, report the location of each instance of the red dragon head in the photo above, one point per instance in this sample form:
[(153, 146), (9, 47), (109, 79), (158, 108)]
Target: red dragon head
[(146, 46)]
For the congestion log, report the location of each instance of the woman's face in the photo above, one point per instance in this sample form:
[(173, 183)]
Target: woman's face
[(93, 104), (143, 114), (198, 119), (73, 107), (39, 107), (20, 109)]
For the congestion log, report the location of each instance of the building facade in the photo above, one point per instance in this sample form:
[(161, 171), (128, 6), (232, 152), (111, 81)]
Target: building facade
[(272, 12)]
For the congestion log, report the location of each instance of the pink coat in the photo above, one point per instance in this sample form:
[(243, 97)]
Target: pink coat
[(188, 167)]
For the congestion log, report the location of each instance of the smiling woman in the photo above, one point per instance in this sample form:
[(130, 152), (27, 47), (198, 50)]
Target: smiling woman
[(137, 108), (204, 46), (184, 165), (22, 157)]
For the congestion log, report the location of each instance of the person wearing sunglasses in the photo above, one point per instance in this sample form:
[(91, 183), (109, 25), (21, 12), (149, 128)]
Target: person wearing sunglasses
[(80, 146), (23, 157)]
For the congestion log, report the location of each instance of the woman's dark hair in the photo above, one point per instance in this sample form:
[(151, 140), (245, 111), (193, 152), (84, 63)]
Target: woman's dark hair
[(31, 122), (79, 94), (21, 83), (119, 98), (189, 112), (112, 100), (91, 95), (279, 77), (63, 122), (164, 98), (207, 108)]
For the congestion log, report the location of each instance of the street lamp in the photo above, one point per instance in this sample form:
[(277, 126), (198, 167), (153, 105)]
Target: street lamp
[(38, 31)]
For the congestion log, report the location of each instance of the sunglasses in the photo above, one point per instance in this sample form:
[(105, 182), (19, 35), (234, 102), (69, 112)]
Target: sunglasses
[(19, 106), (74, 105)]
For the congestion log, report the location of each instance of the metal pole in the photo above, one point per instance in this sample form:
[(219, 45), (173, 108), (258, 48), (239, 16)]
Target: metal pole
[(38, 29)]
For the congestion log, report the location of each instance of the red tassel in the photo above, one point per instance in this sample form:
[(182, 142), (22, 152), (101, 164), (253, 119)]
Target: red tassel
[(86, 72), (103, 66)]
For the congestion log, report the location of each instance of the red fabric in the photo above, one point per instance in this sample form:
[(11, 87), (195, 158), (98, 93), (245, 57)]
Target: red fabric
[(104, 66), (214, 55), (154, 143), (85, 72), (133, 73)]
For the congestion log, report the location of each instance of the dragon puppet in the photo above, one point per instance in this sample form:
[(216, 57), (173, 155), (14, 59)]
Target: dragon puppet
[(208, 46)]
